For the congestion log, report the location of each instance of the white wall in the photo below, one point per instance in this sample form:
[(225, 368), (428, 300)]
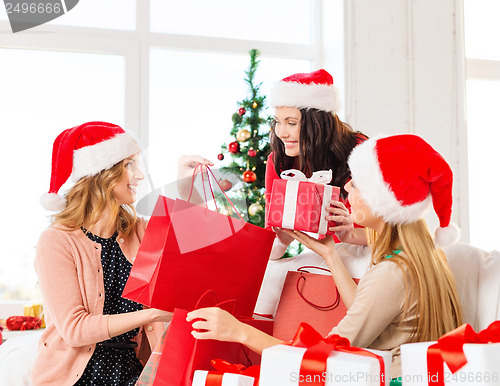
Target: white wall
[(405, 74)]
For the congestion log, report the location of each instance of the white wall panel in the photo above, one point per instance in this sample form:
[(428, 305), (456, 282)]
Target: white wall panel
[(405, 74)]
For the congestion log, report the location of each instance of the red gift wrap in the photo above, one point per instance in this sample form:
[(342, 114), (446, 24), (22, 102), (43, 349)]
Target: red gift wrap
[(300, 203)]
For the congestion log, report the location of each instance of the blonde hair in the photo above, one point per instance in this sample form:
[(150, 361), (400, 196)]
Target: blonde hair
[(428, 278), (90, 196)]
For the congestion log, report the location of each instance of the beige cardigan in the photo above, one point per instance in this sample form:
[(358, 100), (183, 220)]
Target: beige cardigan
[(375, 319), (69, 271)]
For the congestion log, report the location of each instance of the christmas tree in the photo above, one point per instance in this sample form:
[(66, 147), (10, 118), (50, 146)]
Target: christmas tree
[(249, 152)]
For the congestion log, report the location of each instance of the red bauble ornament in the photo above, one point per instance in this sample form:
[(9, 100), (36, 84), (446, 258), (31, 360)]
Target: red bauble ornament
[(220, 157), (23, 323), (249, 176), (242, 111), (225, 185), (234, 147), (252, 153)]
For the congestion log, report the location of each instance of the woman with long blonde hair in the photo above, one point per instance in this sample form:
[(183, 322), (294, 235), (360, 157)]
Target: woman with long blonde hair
[(408, 294), (93, 335)]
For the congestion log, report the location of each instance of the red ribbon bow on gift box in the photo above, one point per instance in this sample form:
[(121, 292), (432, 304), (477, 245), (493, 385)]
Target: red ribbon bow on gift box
[(214, 378), (313, 364), (319, 177), (450, 349)]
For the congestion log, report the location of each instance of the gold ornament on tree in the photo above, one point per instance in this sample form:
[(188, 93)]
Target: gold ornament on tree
[(254, 209), (243, 135)]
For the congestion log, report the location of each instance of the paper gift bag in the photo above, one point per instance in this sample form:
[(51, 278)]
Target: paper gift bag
[(311, 298), (460, 357), (300, 203), (182, 354), (188, 249), (311, 359)]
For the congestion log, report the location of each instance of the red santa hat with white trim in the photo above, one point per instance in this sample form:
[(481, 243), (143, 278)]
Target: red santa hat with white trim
[(398, 178), (84, 151), (307, 90)]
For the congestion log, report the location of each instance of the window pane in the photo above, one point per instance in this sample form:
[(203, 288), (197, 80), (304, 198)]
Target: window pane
[(483, 136), (277, 20), (109, 14), (43, 93), (191, 114), (482, 29)]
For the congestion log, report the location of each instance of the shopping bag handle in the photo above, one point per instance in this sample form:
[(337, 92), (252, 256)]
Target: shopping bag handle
[(200, 165), (230, 302), (302, 279), (303, 268)]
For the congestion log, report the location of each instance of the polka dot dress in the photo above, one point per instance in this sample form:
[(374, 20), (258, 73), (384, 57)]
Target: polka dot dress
[(112, 365)]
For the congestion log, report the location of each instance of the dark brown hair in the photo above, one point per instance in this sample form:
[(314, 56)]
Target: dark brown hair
[(325, 143)]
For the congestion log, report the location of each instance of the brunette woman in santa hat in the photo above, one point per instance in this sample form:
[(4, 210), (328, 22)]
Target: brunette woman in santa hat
[(308, 135), (93, 335), (408, 294)]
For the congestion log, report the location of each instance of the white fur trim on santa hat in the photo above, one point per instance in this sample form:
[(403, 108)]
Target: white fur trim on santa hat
[(446, 236), (366, 174), (52, 202), (90, 160), (317, 96)]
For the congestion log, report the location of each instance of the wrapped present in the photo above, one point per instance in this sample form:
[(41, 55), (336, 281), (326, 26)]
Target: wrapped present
[(226, 374), (460, 357), (313, 360), (300, 203), (23, 323), (35, 310)]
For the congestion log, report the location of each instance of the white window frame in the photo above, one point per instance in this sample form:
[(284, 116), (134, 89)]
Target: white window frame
[(135, 47)]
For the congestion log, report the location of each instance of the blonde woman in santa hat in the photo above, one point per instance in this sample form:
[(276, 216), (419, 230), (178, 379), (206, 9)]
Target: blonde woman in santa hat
[(308, 135), (93, 335), (408, 294)]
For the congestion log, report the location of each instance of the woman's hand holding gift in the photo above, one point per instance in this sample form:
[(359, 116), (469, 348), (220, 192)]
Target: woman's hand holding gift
[(324, 247), (345, 230)]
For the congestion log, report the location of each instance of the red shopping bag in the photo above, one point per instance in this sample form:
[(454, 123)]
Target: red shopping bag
[(179, 354), (188, 249), (311, 298)]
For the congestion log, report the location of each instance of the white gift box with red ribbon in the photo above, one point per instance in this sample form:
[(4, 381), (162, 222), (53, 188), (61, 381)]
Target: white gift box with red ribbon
[(482, 368), (281, 365)]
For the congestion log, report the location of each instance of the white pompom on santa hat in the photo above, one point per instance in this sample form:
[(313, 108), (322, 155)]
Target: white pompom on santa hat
[(84, 151), (400, 176), (306, 90)]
